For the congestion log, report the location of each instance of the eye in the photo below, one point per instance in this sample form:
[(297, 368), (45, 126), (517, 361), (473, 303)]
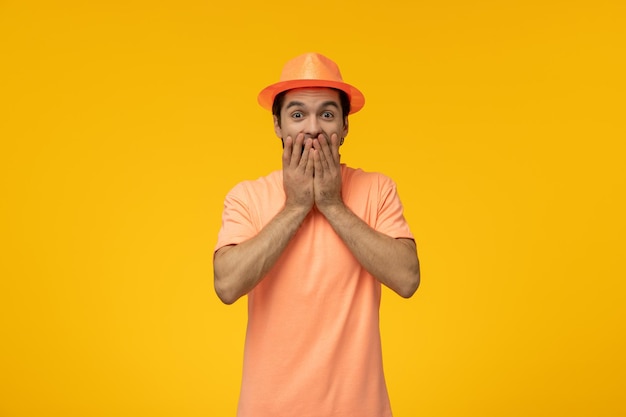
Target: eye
[(297, 115), (327, 115)]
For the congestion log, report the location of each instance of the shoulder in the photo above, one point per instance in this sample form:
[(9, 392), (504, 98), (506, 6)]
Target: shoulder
[(357, 177), (270, 183), (370, 189)]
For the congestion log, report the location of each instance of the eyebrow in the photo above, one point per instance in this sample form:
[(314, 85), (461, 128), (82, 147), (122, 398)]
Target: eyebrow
[(324, 104)]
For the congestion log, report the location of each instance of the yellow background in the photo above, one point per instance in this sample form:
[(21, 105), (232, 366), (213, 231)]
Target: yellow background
[(124, 123)]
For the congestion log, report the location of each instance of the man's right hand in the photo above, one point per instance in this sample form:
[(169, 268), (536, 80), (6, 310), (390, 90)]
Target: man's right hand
[(298, 169), (239, 268)]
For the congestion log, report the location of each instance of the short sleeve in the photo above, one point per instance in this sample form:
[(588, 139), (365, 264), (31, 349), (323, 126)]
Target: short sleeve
[(237, 224), (390, 219)]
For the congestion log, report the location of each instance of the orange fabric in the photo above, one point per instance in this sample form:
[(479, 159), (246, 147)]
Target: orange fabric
[(311, 70), (313, 341)]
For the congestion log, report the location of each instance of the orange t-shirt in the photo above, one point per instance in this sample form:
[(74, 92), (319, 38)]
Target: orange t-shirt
[(313, 341)]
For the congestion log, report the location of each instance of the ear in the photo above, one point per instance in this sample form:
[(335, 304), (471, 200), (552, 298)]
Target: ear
[(277, 128), (345, 126)]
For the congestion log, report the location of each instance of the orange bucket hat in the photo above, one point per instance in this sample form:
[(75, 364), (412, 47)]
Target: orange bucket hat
[(311, 70)]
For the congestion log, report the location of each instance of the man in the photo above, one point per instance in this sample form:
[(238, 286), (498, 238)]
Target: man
[(310, 246)]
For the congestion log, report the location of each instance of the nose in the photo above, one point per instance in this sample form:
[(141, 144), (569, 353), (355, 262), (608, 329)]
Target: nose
[(312, 128)]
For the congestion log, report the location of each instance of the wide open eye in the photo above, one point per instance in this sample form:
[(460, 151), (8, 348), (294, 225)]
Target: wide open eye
[(297, 115), (327, 115)]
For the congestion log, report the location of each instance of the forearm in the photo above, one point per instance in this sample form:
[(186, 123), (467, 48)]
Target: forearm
[(393, 262), (239, 268)]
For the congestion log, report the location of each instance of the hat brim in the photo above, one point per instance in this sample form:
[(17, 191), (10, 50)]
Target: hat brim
[(267, 95)]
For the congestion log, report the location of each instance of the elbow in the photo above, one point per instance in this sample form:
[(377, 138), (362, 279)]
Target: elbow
[(409, 280), (225, 298), (410, 288), (226, 295), (412, 283), (225, 292), (223, 279)]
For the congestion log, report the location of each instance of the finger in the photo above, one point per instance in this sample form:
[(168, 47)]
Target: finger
[(326, 156), (304, 159), (296, 152), (328, 146), (334, 141), (320, 159), (317, 164), (287, 150), (309, 170)]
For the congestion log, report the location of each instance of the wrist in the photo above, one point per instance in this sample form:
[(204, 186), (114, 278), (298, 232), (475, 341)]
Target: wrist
[(331, 208), (296, 209)]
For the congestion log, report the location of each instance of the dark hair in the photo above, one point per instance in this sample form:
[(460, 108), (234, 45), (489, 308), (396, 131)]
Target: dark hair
[(344, 101)]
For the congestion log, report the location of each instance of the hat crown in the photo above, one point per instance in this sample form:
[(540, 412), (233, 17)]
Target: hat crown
[(311, 70), (311, 66)]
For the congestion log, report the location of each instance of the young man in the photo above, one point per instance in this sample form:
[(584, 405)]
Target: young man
[(310, 246)]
